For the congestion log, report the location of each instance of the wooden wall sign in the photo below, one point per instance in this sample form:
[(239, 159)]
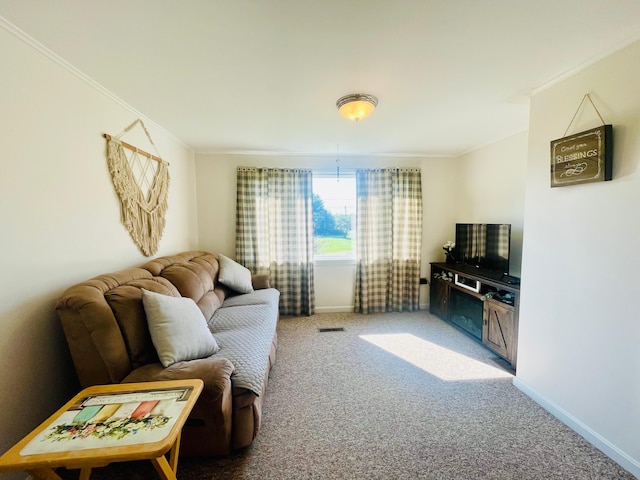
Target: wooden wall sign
[(582, 158)]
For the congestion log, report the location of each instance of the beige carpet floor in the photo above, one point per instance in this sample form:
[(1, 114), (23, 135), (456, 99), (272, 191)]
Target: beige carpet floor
[(393, 396)]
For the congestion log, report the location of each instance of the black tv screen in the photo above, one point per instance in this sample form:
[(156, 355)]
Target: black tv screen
[(483, 245)]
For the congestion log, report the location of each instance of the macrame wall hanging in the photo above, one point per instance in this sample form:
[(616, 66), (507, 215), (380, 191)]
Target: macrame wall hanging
[(141, 181)]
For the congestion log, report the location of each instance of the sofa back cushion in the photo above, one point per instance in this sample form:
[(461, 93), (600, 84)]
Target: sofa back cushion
[(195, 275), (104, 320), (95, 327), (126, 303)]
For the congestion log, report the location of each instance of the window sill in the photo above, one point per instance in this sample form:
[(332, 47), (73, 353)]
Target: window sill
[(328, 261)]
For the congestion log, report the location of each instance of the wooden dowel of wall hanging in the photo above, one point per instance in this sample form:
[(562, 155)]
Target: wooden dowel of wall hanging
[(136, 149)]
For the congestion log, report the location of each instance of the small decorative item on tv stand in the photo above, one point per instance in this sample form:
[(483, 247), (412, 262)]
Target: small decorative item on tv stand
[(448, 251)]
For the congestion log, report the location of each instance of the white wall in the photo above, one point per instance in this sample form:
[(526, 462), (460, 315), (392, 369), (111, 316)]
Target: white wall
[(579, 323), (440, 202), (60, 220), (334, 285), (491, 189)]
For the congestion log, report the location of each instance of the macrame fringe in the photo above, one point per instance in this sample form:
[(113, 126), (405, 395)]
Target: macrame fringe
[(142, 217)]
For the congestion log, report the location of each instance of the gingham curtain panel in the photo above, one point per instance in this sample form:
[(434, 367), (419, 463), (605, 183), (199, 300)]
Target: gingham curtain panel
[(274, 232), (389, 240)]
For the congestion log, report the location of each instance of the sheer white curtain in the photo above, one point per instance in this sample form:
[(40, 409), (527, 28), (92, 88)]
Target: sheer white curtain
[(274, 232), (389, 240)]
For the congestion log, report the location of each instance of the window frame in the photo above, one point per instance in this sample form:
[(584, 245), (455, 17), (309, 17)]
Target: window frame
[(337, 259)]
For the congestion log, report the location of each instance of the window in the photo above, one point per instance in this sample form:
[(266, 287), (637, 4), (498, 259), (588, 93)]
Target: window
[(334, 209)]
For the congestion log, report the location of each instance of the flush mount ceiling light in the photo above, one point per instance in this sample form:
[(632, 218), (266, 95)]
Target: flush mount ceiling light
[(356, 106)]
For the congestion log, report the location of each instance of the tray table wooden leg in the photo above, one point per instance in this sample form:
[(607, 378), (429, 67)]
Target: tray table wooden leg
[(44, 474), (85, 473), (162, 467), (173, 454)]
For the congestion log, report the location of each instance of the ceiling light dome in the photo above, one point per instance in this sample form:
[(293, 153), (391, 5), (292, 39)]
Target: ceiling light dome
[(356, 106)]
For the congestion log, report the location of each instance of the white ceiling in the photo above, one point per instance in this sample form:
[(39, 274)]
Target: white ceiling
[(264, 76)]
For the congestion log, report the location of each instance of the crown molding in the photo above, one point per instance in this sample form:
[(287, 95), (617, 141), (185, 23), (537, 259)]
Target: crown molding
[(262, 153), (54, 57), (570, 73)]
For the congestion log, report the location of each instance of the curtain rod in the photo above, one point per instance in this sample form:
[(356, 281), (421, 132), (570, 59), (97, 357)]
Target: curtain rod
[(135, 149)]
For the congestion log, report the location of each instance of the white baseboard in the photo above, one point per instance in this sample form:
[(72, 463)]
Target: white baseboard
[(349, 309), (344, 309), (621, 458)]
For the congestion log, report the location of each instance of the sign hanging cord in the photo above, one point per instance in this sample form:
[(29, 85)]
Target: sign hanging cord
[(586, 96)]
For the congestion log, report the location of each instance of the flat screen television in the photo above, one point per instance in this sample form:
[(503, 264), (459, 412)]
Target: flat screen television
[(483, 245)]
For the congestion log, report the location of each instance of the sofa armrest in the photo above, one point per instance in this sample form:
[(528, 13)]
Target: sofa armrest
[(208, 429), (260, 281), (214, 372)]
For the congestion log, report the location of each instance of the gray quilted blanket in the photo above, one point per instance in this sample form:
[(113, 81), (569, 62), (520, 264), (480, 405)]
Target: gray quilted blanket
[(244, 327)]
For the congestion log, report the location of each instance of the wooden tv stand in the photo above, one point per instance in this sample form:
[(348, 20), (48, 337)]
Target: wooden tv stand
[(481, 303)]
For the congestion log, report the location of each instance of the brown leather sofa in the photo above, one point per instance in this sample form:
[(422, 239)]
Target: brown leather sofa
[(106, 329)]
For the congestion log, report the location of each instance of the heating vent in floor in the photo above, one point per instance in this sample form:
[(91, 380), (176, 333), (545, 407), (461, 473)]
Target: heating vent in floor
[(331, 329)]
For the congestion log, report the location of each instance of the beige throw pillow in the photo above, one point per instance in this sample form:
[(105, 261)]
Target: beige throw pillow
[(178, 328), (234, 275)]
